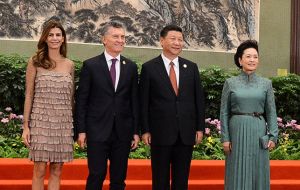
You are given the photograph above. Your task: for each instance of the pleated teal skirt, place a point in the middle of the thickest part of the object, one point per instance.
(248, 166)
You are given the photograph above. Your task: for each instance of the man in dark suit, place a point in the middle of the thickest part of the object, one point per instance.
(107, 110)
(172, 111)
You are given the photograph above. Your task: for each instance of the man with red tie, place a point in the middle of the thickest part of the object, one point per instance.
(107, 110)
(172, 111)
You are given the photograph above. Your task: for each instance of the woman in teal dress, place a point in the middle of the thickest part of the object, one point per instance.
(248, 113)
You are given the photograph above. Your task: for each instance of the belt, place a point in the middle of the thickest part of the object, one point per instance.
(254, 114)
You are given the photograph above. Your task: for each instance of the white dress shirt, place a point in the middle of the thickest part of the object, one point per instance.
(118, 66)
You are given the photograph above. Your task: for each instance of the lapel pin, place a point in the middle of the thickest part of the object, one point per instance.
(184, 65)
(123, 62)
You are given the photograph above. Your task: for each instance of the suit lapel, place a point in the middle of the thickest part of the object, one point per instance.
(182, 73)
(104, 68)
(123, 73)
(161, 69)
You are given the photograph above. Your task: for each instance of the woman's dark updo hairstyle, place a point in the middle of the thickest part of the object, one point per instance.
(240, 50)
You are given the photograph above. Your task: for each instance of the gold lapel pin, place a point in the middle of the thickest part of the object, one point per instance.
(124, 62)
(184, 65)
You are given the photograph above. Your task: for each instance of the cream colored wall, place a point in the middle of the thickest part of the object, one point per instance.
(274, 44)
(275, 35)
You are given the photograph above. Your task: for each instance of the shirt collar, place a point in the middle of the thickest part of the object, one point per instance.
(109, 57)
(167, 61)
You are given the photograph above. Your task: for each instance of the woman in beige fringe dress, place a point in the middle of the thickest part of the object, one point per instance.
(47, 129)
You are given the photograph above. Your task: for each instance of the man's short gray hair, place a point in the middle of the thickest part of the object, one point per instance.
(113, 24)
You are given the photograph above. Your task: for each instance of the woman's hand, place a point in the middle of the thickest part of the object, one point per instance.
(227, 148)
(26, 136)
(271, 145)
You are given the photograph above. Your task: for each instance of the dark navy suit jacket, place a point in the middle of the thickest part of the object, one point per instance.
(99, 106)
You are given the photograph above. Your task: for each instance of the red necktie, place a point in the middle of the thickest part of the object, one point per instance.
(172, 76)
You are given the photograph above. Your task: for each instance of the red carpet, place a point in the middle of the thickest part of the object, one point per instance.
(15, 174)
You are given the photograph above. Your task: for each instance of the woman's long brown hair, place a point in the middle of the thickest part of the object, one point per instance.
(41, 58)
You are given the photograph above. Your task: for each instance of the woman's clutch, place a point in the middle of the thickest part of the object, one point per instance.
(264, 140)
